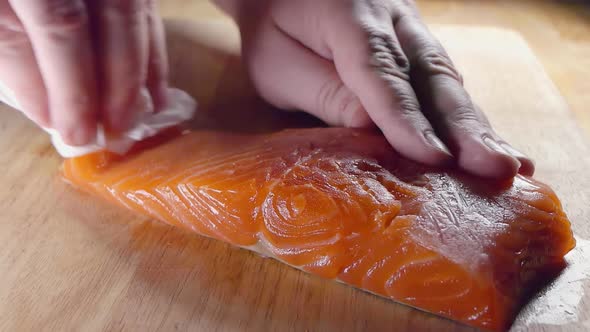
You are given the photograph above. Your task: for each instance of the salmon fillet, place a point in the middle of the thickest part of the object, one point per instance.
(341, 204)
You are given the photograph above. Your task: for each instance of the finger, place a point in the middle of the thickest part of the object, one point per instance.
(291, 76)
(448, 105)
(157, 80)
(59, 34)
(123, 44)
(18, 67)
(373, 65)
(527, 165)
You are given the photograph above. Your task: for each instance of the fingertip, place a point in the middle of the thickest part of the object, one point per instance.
(427, 148)
(435, 142)
(436, 152)
(121, 111)
(502, 163)
(78, 135)
(434, 157)
(486, 158)
(118, 120)
(527, 165)
(498, 166)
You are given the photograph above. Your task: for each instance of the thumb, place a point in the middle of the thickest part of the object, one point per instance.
(292, 77)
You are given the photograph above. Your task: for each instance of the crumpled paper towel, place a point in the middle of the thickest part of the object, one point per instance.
(181, 107)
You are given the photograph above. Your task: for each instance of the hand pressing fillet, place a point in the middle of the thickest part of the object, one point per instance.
(76, 63)
(356, 63)
(73, 64)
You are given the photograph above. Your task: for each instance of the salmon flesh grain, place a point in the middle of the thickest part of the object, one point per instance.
(341, 204)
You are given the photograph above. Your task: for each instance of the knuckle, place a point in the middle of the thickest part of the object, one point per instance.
(464, 114)
(335, 101)
(327, 95)
(411, 4)
(351, 111)
(378, 7)
(61, 15)
(386, 55)
(404, 9)
(408, 104)
(408, 108)
(434, 61)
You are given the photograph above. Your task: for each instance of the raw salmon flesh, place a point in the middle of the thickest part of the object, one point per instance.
(341, 204)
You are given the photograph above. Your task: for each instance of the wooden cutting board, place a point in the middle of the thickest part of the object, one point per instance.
(71, 262)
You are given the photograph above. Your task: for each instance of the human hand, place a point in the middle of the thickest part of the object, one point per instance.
(75, 63)
(358, 62)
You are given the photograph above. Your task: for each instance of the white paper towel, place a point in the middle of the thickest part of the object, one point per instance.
(180, 108)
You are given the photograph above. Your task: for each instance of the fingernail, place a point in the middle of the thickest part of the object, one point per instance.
(436, 142)
(495, 146)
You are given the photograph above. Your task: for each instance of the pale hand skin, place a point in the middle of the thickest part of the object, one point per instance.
(356, 63)
(75, 63)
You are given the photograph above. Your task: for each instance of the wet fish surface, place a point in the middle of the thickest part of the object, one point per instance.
(341, 204)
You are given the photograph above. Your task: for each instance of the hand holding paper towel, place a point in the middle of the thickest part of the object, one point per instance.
(74, 65)
(180, 107)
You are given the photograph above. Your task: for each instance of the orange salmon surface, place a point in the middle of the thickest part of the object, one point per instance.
(341, 204)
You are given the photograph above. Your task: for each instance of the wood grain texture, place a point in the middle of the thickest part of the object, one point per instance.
(70, 262)
(558, 32)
